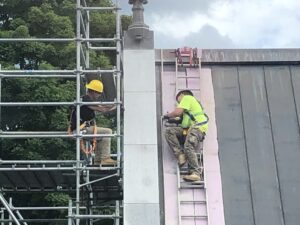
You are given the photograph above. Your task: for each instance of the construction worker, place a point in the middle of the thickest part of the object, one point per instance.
(87, 121)
(193, 127)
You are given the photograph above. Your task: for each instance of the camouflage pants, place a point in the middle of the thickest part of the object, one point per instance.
(194, 136)
(102, 150)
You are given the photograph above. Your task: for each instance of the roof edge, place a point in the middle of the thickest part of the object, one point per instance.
(238, 56)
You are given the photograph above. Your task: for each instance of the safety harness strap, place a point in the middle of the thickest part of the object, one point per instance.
(192, 117)
(82, 126)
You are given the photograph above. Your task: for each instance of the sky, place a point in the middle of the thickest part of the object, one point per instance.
(223, 23)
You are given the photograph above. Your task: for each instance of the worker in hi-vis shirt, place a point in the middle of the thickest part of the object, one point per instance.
(192, 130)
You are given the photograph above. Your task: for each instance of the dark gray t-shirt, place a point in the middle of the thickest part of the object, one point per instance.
(86, 114)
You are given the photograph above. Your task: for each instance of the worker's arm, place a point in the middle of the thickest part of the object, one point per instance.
(102, 108)
(175, 113)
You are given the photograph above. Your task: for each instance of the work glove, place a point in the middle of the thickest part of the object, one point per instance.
(122, 108)
(165, 117)
(175, 120)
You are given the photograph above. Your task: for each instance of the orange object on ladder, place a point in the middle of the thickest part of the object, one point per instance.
(187, 55)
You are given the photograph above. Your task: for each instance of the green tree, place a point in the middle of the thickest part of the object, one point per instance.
(47, 19)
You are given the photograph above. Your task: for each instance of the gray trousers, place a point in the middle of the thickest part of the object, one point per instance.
(102, 150)
(194, 136)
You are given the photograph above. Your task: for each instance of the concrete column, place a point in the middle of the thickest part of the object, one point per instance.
(141, 188)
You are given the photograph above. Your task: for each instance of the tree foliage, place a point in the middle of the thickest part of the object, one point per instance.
(44, 19)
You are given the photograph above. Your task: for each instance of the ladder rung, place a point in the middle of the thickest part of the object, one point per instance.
(191, 202)
(191, 89)
(193, 182)
(185, 186)
(184, 168)
(188, 65)
(185, 171)
(200, 217)
(187, 77)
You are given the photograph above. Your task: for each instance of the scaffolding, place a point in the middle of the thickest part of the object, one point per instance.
(76, 176)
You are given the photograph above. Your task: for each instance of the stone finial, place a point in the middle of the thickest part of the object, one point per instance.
(138, 25)
(143, 1)
(138, 35)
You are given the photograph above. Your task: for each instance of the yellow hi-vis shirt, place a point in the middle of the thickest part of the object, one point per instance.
(190, 104)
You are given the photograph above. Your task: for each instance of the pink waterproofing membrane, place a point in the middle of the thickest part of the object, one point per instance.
(213, 183)
(212, 192)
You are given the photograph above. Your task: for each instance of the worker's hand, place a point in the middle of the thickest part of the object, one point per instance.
(122, 108)
(112, 108)
(175, 120)
(165, 117)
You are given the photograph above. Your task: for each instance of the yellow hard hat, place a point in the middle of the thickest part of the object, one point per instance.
(95, 85)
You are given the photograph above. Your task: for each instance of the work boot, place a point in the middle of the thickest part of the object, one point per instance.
(108, 162)
(181, 159)
(192, 177)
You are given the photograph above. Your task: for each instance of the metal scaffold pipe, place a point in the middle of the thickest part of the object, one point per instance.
(15, 162)
(118, 77)
(97, 180)
(42, 208)
(83, 25)
(58, 39)
(95, 216)
(70, 212)
(58, 169)
(104, 48)
(99, 8)
(0, 96)
(87, 35)
(33, 220)
(36, 103)
(7, 206)
(78, 68)
(17, 136)
(56, 103)
(25, 72)
(37, 76)
(2, 216)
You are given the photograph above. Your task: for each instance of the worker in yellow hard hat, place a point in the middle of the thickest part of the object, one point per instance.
(87, 121)
(192, 130)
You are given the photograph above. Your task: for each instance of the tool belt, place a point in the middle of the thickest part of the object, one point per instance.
(85, 124)
(185, 131)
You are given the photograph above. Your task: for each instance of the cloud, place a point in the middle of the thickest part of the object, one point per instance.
(209, 37)
(229, 23)
(177, 27)
(269, 23)
(194, 31)
(183, 7)
(206, 37)
(168, 6)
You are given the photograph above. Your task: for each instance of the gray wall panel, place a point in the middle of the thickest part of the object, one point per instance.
(140, 139)
(259, 145)
(286, 139)
(233, 160)
(295, 73)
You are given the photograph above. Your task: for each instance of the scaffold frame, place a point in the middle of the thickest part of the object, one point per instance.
(83, 47)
